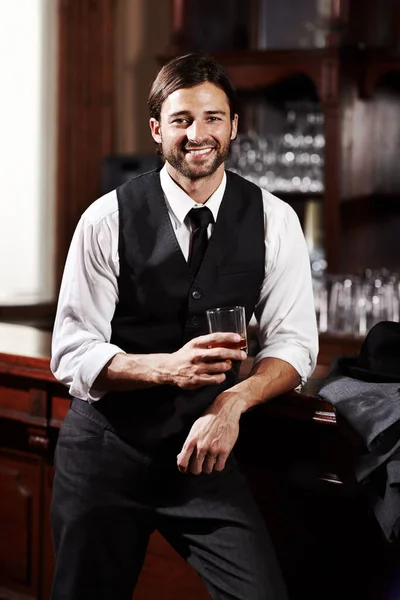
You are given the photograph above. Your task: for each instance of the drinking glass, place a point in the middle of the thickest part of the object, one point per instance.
(229, 319)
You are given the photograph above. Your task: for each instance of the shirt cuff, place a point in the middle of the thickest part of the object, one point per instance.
(92, 363)
(299, 359)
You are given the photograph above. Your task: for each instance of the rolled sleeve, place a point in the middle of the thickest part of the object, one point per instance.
(92, 362)
(285, 313)
(88, 296)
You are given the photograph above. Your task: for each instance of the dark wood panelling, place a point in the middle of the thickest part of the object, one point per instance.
(370, 236)
(20, 491)
(48, 552)
(59, 408)
(85, 110)
(18, 400)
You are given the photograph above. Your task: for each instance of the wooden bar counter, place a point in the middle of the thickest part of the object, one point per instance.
(297, 462)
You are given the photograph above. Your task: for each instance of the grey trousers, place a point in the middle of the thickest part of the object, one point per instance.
(108, 498)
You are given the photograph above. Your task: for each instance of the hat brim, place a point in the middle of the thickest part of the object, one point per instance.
(350, 367)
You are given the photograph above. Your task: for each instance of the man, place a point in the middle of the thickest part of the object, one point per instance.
(147, 443)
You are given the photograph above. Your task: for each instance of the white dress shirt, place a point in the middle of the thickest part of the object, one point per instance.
(89, 291)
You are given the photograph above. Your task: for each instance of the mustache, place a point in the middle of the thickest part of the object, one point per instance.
(200, 145)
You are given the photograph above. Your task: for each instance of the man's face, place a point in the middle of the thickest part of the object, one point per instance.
(195, 130)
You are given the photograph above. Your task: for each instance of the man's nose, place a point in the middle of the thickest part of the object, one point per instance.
(196, 132)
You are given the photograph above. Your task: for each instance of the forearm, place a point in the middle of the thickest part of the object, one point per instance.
(269, 378)
(201, 361)
(126, 372)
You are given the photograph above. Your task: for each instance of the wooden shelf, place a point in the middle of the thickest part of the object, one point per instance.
(373, 199)
(258, 69)
(375, 64)
(298, 197)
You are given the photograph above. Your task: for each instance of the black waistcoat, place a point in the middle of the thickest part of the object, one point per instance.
(161, 307)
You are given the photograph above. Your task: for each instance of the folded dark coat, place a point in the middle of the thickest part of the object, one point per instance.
(372, 409)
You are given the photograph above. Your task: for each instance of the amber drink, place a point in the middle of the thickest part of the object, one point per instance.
(230, 319)
(241, 345)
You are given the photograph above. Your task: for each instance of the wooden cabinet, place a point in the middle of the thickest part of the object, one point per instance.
(355, 79)
(21, 522)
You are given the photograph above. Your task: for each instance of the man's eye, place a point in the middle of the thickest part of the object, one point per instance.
(214, 119)
(180, 121)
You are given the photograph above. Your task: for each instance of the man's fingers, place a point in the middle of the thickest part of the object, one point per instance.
(220, 462)
(200, 463)
(209, 355)
(214, 354)
(182, 463)
(183, 457)
(196, 465)
(209, 463)
(190, 462)
(195, 461)
(203, 380)
(219, 337)
(216, 367)
(206, 379)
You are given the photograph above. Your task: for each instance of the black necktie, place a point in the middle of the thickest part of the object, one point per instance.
(200, 219)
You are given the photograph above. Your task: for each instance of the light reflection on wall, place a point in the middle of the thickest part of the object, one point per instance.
(27, 156)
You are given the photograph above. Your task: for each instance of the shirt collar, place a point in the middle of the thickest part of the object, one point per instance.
(179, 203)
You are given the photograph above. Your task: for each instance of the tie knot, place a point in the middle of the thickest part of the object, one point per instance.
(200, 217)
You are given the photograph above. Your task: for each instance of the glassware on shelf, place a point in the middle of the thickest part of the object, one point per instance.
(352, 304)
(288, 162)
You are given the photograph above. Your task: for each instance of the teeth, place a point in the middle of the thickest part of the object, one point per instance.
(203, 151)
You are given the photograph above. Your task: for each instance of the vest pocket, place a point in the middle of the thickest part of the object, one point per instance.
(237, 269)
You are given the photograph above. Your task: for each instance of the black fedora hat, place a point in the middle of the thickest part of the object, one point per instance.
(379, 357)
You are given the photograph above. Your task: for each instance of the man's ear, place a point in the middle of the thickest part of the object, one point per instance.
(155, 130)
(235, 121)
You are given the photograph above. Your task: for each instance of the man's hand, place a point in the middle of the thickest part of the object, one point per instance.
(214, 434)
(210, 440)
(202, 361)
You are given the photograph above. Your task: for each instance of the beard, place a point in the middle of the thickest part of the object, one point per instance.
(175, 156)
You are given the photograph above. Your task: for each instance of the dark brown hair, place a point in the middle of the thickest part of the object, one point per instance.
(186, 72)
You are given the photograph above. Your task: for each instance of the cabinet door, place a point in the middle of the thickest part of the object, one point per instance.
(48, 551)
(166, 575)
(20, 492)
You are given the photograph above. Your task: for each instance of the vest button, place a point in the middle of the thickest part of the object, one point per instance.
(196, 295)
(194, 321)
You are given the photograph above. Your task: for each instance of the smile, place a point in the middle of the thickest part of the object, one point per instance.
(200, 152)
